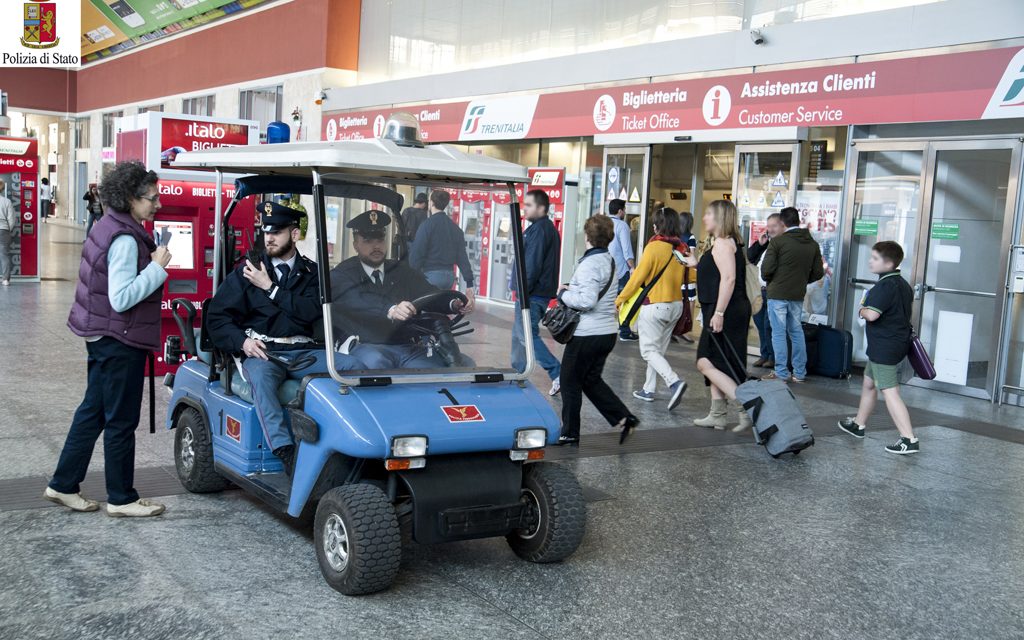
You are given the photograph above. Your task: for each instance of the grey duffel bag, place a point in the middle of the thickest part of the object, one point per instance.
(779, 424)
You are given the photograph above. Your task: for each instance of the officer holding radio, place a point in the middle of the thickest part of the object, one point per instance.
(267, 311)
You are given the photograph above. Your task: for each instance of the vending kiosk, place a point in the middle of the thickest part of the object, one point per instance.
(19, 173)
(185, 221)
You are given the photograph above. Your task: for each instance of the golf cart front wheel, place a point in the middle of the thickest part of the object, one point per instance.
(357, 538)
(555, 498)
(193, 454)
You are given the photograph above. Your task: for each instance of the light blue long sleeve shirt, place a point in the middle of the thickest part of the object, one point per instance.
(126, 286)
(621, 247)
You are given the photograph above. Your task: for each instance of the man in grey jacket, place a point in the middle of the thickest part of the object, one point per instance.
(591, 292)
(8, 223)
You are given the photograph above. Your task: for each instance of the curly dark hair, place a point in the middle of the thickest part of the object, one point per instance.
(127, 180)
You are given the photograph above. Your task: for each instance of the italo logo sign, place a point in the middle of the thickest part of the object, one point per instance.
(499, 118)
(36, 33)
(1007, 100)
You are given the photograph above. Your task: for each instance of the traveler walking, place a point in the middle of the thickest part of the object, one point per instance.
(117, 311)
(8, 223)
(440, 246)
(412, 217)
(886, 310)
(541, 244)
(755, 254)
(659, 270)
(621, 250)
(792, 261)
(44, 199)
(93, 206)
(725, 310)
(689, 276)
(594, 338)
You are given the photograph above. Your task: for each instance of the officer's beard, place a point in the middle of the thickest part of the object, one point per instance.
(279, 250)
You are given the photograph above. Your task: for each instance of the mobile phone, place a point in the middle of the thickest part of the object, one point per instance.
(127, 14)
(163, 236)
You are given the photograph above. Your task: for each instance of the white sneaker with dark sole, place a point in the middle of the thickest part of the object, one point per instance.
(73, 501)
(141, 508)
(556, 387)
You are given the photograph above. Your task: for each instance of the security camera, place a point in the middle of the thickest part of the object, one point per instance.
(319, 97)
(756, 36)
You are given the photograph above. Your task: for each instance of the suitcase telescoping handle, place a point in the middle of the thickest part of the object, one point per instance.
(756, 403)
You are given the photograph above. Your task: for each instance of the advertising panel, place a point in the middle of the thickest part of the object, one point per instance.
(178, 135)
(19, 168)
(970, 85)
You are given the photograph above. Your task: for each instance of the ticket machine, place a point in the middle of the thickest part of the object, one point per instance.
(185, 221)
(19, 172)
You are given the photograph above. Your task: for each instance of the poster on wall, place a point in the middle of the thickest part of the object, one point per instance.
(178, 135)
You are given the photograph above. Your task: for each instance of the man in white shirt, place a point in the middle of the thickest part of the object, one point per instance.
(8, 222)
(44, 199)
(621, 250)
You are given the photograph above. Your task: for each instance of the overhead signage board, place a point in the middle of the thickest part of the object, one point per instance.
(968, 85)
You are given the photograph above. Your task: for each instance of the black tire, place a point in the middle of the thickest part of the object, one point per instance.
(193, 454)
(368, 562)
(556, 496)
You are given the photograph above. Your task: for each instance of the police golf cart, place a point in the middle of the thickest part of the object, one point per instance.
(442, 454)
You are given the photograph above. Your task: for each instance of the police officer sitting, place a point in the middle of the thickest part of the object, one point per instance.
(271, 308)
(371, 298)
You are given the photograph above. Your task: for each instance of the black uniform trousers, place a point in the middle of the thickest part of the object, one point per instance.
(582, 365)
(113, 399)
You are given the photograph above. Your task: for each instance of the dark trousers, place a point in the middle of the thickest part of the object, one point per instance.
(113, 399)
(764, 328)
(582, 365)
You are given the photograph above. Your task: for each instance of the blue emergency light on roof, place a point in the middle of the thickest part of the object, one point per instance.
(403, 129)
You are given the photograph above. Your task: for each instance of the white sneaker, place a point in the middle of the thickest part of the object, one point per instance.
(7, 283)
(141, 508)
(556, 386)
(73, 501)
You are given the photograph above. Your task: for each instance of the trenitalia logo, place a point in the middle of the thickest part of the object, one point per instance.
(499, 118)
(1007, 100)
(473, 119)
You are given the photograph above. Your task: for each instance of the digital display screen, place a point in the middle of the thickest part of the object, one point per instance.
(177, 237)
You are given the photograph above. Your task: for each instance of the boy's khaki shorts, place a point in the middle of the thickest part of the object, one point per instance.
(886, 376)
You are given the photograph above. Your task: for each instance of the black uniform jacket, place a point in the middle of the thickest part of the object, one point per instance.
(239, 305)
(360, 307)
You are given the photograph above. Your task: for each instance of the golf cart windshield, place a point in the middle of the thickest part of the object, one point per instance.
(405, 268)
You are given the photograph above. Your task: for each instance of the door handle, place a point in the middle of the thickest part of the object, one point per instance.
(920, 289)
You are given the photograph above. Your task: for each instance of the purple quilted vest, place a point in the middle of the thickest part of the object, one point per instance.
(91, 314)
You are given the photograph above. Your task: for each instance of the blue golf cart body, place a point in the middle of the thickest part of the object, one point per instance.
(440, 455)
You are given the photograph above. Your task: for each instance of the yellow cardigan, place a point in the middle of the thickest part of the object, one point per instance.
(669, 286)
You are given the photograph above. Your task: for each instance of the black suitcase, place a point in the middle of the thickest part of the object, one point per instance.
(832, 352)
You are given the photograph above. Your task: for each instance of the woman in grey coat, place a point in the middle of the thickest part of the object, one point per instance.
(595, 336)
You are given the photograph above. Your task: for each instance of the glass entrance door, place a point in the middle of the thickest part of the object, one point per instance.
(625, 177)
(951, 206)
(961, 287)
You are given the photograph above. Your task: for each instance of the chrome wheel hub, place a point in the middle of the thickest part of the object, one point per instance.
(188, 450)
(336, 542)
(533, 504)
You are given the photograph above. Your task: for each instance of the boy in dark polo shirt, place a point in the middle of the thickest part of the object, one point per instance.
(886, 309)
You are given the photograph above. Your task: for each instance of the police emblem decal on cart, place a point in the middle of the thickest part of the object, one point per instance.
(463, 413)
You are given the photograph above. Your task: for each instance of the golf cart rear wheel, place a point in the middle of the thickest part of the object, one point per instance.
(357, 538)
(556, 499)
(193, 454)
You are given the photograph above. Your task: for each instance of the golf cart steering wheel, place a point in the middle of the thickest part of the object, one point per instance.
(290, 363)
(440, 302)
(439, 325)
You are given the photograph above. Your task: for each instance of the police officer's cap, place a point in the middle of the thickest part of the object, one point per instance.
(370, 224)
(276, 217)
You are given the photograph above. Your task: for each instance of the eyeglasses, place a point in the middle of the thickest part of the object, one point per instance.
(152, 198)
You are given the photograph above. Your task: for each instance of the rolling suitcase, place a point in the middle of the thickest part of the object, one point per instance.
(833, 353)
(779, 424)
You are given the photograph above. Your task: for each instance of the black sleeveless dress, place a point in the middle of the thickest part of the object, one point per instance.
(737, 315)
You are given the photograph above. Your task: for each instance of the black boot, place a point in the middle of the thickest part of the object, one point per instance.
(287, 456)
(627, 425)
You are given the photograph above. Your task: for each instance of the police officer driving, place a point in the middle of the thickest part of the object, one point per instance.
(268, 311)
(371, 298)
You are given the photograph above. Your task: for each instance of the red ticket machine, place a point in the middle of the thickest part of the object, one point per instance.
(19, 172)
(185, 221)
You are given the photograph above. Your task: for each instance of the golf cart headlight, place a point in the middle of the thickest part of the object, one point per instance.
(531, 438)
(409, 446)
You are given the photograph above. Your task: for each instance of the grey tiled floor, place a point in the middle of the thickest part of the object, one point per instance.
(714, 542)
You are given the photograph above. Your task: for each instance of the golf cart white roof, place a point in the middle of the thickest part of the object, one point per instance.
(373, 159)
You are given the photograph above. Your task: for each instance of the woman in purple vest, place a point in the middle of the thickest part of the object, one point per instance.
(117, 311)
